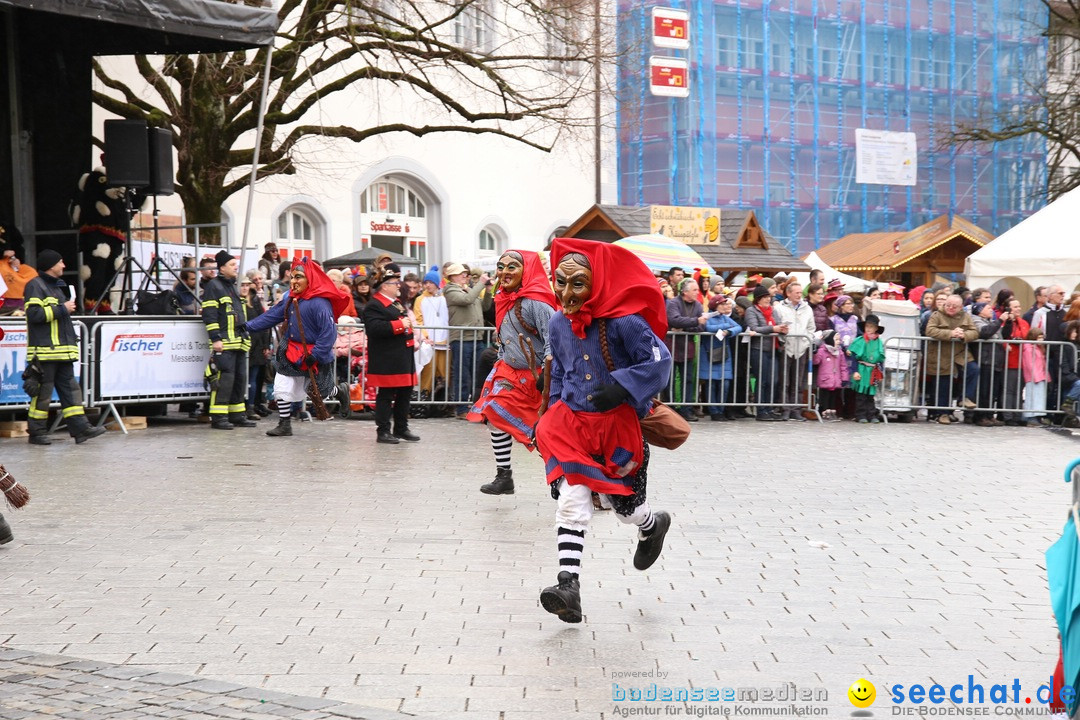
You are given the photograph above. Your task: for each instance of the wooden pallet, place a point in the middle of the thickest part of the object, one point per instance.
(13, 429)
(131, 422)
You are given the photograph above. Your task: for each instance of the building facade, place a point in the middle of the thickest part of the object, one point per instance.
(778, 89)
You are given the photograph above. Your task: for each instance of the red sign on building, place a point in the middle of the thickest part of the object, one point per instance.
(671, 28)
(669, 77)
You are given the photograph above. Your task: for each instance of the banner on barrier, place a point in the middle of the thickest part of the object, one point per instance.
(13, 362)
(151, 358)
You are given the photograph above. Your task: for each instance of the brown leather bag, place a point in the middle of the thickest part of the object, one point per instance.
(662, 427)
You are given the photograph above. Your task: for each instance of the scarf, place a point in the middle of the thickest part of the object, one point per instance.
(621, 285)
(319, 285)
(534, 285)
(767, 312)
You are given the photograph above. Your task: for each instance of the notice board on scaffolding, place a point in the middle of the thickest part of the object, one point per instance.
(883, 157)
(154, 358)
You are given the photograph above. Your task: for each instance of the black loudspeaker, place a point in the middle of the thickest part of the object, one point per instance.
(126, 157)
(161, 166)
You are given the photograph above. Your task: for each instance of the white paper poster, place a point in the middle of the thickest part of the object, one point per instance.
(885, 158)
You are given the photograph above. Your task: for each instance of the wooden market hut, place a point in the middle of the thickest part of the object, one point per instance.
(742, 244)
(910, 258)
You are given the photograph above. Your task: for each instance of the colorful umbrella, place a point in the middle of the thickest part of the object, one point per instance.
(660, 253)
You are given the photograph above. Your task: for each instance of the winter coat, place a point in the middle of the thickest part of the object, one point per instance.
(1033, 362)
(715, 355)
(765, 340)
(1015, 329)
(465, 308)
(943, 358)
(50, 333)
(1068, 368)
(846, 330)
(801, 330)
(260, 339)
(990, 354)
(821, 317)
(832, 370)
(682, 316)
(868, 354)
(391, 361)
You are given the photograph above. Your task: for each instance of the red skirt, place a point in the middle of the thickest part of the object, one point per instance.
(602, 451)
(509, 401)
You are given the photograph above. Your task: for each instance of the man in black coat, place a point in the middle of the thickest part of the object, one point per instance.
(391, 366)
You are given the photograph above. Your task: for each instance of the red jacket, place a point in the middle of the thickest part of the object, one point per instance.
(1020, 329)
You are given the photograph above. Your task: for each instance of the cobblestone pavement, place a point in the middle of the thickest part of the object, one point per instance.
(326, 567)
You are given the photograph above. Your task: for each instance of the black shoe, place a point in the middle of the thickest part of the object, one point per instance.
(240, 420)
(386, 438)
(88, 434)
(563, 599)
(649, 547)
(221, 423)
(6, 535)
(407, 436)
(40, 440)
(283, 429)
(262, 410)
(503, 484)
(250, 414)
(718, 417)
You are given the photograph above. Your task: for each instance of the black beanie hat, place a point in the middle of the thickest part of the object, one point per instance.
(47, 259)
(760, 292)
(223, 257)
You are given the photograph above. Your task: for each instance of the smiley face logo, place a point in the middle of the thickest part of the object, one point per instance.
(862, 693)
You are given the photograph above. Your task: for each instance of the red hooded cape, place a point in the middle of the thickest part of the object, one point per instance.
(319, 285)
(534, 285)
(622, 285)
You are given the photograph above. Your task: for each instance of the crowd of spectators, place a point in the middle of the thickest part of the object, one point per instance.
(771, 348)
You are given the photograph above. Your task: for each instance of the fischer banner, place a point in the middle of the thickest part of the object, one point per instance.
(151, 358)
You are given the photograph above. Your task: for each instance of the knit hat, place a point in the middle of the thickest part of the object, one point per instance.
(836, 284)
(223, 257)
(766, 283)
(433, 275)
(47, 259)
(829, 337)
(840, 302)
(761, 291)
(743, 302)
(978, 308)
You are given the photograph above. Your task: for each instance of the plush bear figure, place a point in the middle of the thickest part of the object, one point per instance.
(98, 211)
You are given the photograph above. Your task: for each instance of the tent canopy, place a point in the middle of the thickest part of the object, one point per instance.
(851, 283)
(158, 26)
(1041, 250)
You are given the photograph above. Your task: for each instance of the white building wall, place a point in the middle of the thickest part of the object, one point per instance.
(468, 181)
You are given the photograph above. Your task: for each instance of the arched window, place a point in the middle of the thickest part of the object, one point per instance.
(394, 218)
(296, 233)
(491, 240)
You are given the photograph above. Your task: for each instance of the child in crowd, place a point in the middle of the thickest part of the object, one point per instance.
(869, 352)
(716, 353)
(831, 375)
(1033, 362)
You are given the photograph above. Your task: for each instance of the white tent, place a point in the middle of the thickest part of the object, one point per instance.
(1044, 249)
(851, 283)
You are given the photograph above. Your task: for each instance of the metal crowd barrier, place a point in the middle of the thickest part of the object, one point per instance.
(755, 372)
(986, 386)
(14, 362)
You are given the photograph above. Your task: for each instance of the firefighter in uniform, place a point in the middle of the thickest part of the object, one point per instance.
(223, 313)
(51, 340)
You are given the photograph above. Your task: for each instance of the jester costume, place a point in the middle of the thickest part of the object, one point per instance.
(609, 362)
(510, 399)
(307, 341)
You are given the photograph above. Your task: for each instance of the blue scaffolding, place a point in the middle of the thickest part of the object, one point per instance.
(779, 88)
